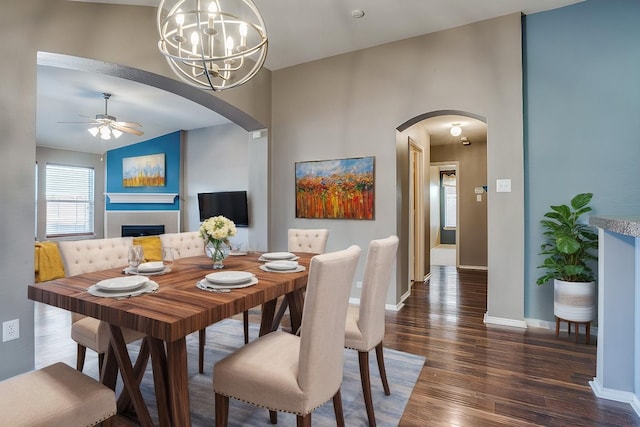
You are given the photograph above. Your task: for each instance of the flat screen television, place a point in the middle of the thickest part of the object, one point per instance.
(231, 204)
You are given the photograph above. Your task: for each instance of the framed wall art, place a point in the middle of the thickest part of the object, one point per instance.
(143, 171)
(335, 189)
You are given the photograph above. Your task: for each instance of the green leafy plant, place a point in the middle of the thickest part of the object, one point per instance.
(570, 245)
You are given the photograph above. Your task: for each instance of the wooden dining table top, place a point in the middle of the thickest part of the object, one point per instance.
(178, 307)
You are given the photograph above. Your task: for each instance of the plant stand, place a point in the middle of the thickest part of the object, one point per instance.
(569, 322)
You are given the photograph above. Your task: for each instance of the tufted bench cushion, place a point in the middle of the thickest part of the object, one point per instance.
(189, 243)
(56, 395)
(87, 256)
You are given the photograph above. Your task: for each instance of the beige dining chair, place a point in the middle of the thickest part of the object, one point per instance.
(289, 373)
(302, 240)
(364, 328)
(86, 256)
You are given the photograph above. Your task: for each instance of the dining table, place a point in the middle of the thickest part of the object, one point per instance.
(167, 316)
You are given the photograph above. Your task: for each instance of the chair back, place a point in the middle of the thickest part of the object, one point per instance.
(323, 322)
(187, 244)
(381, 257)
(308, 240)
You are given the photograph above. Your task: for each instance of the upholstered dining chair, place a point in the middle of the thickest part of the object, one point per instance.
(364, 328)
(302, 240)
(290, 373)
(85, 256)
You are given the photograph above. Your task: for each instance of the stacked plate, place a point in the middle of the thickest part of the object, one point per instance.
(148, 269)
(228, 280)
(278, 256)
(123, 287)
(282, 266)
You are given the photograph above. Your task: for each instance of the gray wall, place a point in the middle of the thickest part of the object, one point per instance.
(337, 108)
(472, 230)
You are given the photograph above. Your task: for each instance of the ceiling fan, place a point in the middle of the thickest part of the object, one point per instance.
(107, 126)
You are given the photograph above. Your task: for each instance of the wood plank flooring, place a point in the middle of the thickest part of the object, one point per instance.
(474, 375)
(478, 375)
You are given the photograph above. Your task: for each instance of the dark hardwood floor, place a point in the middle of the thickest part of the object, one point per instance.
(474, 375)
(479, 375)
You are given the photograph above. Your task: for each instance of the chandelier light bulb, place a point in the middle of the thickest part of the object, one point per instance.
(93, 131)
(116, 133)
(456, 129)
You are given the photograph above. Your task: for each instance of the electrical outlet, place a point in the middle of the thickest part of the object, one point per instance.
(359, 284)
(10, 330)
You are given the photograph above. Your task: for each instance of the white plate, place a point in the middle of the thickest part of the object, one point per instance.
(229, 277)
(146, 288)
(126, 283)
(151, 267)
(237, 253)
(205, 285)
(278, 255)
(282, 265)
(133, 271)
(298, 269)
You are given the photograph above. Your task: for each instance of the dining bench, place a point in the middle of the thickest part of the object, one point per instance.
(56, 395)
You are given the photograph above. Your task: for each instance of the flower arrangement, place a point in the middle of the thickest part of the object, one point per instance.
(215, 232)
(217, 228)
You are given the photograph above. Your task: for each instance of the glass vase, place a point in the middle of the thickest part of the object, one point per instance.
(217, 250)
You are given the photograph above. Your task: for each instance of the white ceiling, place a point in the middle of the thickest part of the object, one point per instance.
(299, 31)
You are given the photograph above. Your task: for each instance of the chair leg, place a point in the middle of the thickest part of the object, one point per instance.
(303, 420)
(100, 361)
(363, 360)
(383, 372)
(273, 417)
(245, 323)
(279, 315)
(202, 338)
(337, 408)
(82, 351)
(222, 410)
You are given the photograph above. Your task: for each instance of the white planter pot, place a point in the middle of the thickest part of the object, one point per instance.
(574, 301)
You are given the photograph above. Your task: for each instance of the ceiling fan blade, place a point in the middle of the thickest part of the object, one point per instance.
(128, 130)
(128, 124)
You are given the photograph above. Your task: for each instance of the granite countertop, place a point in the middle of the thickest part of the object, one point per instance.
(627, 225)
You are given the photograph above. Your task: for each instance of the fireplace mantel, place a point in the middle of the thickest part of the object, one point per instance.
(141, 197)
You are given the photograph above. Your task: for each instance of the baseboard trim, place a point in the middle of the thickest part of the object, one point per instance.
(491, 320)
(390, 307)
(616, 395)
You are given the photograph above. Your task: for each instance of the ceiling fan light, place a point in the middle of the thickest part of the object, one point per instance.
(93, 131)
(116, 133)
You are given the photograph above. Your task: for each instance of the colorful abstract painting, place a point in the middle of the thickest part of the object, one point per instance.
(336, 189)
(143, 171)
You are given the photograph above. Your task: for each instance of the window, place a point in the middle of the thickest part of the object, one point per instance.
(449, 195)
(70, 200)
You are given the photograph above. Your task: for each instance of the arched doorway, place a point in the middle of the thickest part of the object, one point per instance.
(428, 131)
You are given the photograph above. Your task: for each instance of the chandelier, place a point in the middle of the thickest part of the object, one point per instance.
(216, 44)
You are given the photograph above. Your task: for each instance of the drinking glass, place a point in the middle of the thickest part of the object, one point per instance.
(136, 256)
(167, 257)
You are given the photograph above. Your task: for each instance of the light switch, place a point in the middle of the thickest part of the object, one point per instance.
(503, 185)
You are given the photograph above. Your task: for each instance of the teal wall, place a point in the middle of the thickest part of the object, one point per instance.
(582, 110)
(169, 145)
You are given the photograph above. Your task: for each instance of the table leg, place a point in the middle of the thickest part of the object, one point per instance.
(296, 302)
(128, 377)
(178, 381)
(268, 311)
(160, 383)
(124, 401)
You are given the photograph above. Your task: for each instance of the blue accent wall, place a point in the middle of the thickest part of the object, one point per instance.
(582, 109)
(169, 145)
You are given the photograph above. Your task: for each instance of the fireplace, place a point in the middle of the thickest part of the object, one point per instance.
(142, 230)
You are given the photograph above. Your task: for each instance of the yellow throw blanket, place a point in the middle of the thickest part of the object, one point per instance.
(48, 263)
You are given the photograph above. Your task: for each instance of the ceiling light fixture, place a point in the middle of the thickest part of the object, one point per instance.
(106, 126)
(217, 44)
(456, 129)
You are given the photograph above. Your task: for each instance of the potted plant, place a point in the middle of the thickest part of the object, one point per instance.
(570, 248)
